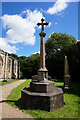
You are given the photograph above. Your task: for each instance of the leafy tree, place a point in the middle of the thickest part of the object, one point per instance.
(57, 46)
(14, 55)
(74, 61)
(22, 58)
(30, 66)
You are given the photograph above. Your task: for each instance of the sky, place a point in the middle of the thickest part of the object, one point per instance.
(20, 33)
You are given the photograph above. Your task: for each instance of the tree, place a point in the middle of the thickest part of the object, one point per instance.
(57, 46)
(74, 61)
(14, 55)
(30, 66)
(22, 58)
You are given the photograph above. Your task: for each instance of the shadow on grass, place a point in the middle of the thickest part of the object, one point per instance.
(75, 89)
(17, 103)
(72, 91)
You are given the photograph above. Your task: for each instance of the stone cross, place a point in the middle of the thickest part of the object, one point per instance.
(42, 72)
(42, 24)
(42, 46)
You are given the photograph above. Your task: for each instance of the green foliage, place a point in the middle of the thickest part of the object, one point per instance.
(58, 42)
(30, 65)
(22, 58)
(13, 55)
(57, 46)
(18, 90)
(70, 109)
(73, 54)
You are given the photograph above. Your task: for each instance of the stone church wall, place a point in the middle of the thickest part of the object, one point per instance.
(9, 67)
(2, 61)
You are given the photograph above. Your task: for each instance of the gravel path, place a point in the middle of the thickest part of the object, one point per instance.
(6, 110)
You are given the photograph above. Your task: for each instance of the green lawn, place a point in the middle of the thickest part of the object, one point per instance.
(71, 99)
(4, 83)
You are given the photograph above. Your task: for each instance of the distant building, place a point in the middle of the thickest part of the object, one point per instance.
(9, 66)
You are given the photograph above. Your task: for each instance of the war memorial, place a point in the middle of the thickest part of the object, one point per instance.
(42, 93)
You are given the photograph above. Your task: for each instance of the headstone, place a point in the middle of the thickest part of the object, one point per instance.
(43, 94)
(66, 74)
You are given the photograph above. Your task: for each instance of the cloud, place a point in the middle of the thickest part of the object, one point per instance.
(50, 23)
(19, 29)
(36, 52)
(55, 23)
(4, 45)
(58, 7)
(78, 40)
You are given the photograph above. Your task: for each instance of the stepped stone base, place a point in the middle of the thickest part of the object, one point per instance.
(42, 95)
(42, 87)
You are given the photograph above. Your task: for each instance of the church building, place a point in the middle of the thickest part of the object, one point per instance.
(9, 66)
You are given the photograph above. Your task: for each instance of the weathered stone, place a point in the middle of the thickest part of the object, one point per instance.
(42, 87)
(9, 66)
(42, 74)
(42, 94)
(43, 101)
(67, 77)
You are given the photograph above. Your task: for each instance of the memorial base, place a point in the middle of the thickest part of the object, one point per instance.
(43, 96)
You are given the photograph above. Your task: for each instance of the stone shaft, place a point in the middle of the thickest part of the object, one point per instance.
(42, 53)
(42, 72)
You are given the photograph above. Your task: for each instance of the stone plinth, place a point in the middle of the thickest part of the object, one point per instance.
(42, 74)
(67, 81)
(43, 101)
(42, 87)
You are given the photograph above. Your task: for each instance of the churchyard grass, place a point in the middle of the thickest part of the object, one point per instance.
(71, 99)
(4, 83)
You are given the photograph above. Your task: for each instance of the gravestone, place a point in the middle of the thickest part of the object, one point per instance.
(67, 77)
(42, 93)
